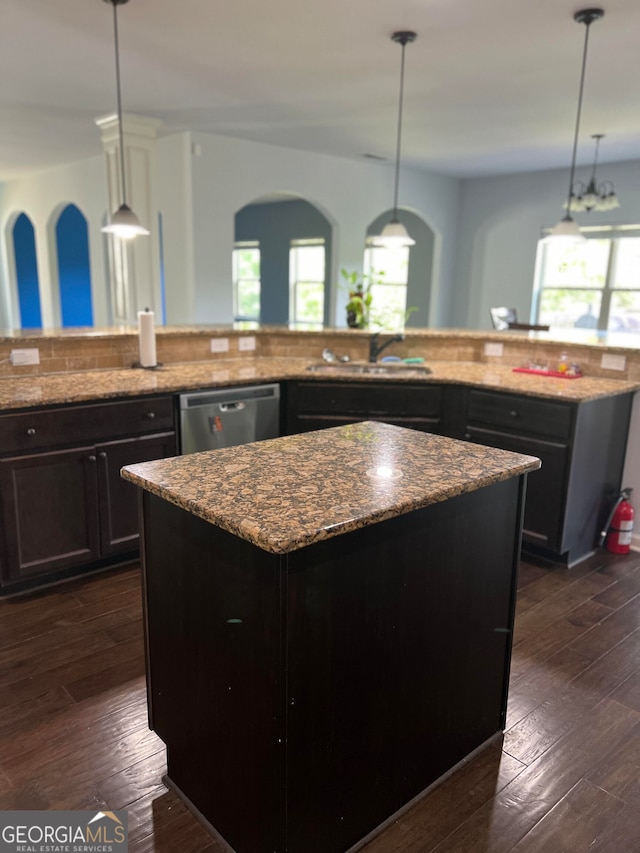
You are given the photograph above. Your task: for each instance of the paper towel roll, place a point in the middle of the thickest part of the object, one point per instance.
(147, 338)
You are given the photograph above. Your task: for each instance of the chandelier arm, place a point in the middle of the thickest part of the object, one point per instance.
(578, 115)
(119, 101)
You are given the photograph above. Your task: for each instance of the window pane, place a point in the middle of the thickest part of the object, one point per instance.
(248, 263)
(388, 306)
(309, 302)
(627, 265)
(310, 263)
(624, 313)
(246, 282)
(581, 265)
(248, 299)
(393, 263)
(568, 308)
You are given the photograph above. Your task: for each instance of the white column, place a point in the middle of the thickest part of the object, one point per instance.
(134, 264)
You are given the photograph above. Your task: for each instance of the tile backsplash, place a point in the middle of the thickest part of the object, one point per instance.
(108, 349)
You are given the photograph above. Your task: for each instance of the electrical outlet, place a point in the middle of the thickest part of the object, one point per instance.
(613, 362)
(493, 349)
(246, 343)
(25, 356)
(219, 344)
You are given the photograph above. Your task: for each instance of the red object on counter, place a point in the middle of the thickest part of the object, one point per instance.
(621, 527)
(539, 372)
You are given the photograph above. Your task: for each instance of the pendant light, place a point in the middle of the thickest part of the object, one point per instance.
(600, 197)
(123, 222)
(394, 234)
(567, 228)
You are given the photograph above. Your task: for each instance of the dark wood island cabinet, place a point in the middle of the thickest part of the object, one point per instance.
(328, 624)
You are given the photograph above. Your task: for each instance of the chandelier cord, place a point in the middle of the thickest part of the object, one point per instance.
(119, 101)
(577, 130)
(399, 136)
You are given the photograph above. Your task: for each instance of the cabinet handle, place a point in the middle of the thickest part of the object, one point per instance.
(513, 413)
(31, 431)
(102, 454)
(151, 415)
(92, 458)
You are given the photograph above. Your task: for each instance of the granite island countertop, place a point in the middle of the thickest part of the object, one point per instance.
(82, 386)
(286, 493)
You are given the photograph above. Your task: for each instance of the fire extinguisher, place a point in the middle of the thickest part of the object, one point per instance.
(619, 525)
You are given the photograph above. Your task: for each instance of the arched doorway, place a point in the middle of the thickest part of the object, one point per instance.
(74, 271)
(26, 271)
(282, 262)
(410, 270)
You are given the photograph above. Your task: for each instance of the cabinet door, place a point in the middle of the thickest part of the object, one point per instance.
(118, 498)
(546, 487)
(50, 511)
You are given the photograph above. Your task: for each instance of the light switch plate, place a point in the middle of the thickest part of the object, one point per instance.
(493, 348)
(25, 356)
(246, 343)
(613, 362)
(219, 344)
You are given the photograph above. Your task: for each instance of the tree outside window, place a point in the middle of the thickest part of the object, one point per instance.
(307, 283)
(246, 282)
(595, 284)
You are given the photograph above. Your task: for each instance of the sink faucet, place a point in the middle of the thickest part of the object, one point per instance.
(375, 350)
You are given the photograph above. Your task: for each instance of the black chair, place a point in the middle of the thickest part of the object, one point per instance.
(507, 318)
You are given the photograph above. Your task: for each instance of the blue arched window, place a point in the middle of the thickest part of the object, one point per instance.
(74, 275)
(24, 246)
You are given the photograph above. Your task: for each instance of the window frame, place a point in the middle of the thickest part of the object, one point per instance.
(613, 234)
(238, 246)
(295, 281)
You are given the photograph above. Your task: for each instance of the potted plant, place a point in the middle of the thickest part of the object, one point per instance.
(360, 297)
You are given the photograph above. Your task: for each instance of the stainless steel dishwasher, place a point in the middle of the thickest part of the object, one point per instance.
(228, 416)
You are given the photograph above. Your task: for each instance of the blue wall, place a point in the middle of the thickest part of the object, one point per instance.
(74, 275)
(24, 244)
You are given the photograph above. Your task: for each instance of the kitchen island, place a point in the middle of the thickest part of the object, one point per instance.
(328, 624)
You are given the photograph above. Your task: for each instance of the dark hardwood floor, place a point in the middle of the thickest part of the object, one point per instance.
(73, 727)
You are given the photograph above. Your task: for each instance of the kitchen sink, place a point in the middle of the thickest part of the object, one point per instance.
(365, 368)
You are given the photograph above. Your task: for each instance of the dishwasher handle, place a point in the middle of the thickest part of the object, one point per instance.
(232, 407)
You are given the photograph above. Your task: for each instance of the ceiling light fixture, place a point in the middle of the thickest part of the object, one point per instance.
(123, 222)
(394, 234)
(567, 228)
(594, 196)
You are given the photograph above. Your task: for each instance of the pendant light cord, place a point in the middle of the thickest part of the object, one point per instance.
(119, 100)
(577, 131)
(399, 136)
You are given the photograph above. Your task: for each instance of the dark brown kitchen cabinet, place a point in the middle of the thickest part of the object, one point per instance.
(582, 448)
(316, 405)
(50, 511)
(63, 506)
(118, 500)
(581, 444)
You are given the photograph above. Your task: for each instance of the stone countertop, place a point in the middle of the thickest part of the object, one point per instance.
(286, 493)
(83, 386)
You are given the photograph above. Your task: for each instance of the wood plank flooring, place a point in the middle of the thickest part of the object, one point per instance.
(566, 778)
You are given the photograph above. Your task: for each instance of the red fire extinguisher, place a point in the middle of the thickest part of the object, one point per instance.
(619, 525)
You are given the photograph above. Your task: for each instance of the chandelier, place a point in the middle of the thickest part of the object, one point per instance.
(600, 197)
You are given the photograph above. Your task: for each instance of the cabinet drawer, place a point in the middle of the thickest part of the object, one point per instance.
(57, 427)
(521, 414)
(369, 399)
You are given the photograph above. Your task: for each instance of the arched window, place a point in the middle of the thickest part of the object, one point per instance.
(24, 247)
(74, 275)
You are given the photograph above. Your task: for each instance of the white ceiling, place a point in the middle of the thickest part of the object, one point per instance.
(491, 87)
